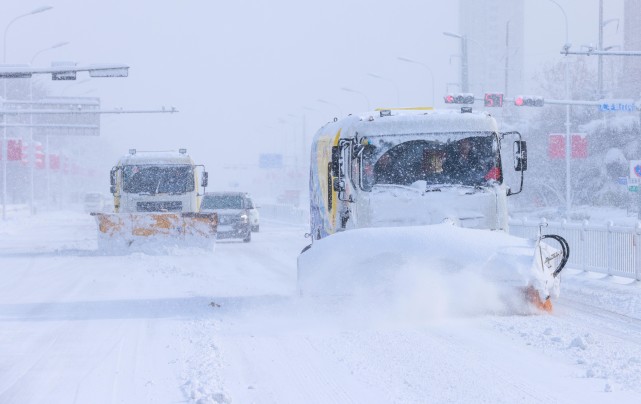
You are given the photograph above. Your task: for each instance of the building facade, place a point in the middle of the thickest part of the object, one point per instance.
(631, 74)
(493, 30)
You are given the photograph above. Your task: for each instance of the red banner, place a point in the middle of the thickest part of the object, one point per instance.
(14, 150)
(579, 146)
(556, 146)
(578, 150)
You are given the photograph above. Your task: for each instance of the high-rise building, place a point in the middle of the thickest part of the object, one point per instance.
(631, 75)
(493, 31)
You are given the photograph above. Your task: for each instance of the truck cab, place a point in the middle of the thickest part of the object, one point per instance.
(410, 167)
(156, 182)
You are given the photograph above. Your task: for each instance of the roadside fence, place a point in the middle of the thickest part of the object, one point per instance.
(605, 248)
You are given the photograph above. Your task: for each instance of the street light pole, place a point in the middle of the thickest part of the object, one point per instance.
(376, 76)
(4, 96)
(464, 62)
(340, 112)
(54, 46)
(600, 63)
(349, 90)
(34, 11)
(306, 145)
(568, 141)
(33, 149)
(602, 25)
(403, 59)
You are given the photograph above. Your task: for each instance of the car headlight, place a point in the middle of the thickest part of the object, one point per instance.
(243, 218)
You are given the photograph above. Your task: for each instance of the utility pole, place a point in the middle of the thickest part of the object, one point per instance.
(566, 51)
(600, 60)
(507, 54)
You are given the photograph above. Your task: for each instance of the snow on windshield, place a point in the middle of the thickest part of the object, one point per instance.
(436, 159)
(154, 179)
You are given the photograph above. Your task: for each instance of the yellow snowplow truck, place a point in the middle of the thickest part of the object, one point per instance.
(156, 201)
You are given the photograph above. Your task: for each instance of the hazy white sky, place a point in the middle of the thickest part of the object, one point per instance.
(243, 73)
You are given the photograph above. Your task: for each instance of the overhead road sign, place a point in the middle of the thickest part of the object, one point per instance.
(618, 106)
(95, 70)
(590, 51)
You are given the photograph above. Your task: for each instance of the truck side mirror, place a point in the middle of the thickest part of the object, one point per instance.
(205, 179)
(336, 154)
(520, 155)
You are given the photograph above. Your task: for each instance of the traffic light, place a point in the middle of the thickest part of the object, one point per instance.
(39, 155)
(528, 101)
(459, 98)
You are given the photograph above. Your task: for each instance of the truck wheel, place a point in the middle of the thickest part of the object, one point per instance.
(248, 238)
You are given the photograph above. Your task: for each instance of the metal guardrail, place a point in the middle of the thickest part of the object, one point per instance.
(604, 248)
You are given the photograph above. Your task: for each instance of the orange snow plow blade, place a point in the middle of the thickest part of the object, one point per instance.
(171, 225)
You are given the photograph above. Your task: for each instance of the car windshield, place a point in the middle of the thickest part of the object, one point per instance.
(436, 159)
(158, 179)
(222, 202)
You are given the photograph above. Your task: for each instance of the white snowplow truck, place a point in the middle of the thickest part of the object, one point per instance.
(414, 167)
(156, 201)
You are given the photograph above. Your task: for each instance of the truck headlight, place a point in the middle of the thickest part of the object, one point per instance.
(243, 218)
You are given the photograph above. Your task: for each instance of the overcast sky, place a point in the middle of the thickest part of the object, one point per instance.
(244, 73)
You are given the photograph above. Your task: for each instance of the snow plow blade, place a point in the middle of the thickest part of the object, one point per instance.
(127, 228)
(434, 268)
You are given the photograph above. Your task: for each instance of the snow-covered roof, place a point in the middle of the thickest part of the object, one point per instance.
(156, 157)
(414, 121)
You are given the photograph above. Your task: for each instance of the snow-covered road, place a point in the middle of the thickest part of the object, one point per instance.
(193, 326)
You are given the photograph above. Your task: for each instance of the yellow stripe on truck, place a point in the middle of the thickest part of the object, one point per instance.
(323, 159)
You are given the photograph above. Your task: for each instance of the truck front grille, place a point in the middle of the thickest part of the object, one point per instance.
(168, 206)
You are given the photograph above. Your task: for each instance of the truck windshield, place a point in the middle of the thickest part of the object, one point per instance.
(222, 202)
(158, 179)
(456, 159)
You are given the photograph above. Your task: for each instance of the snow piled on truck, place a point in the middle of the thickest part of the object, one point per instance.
(423, 271)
